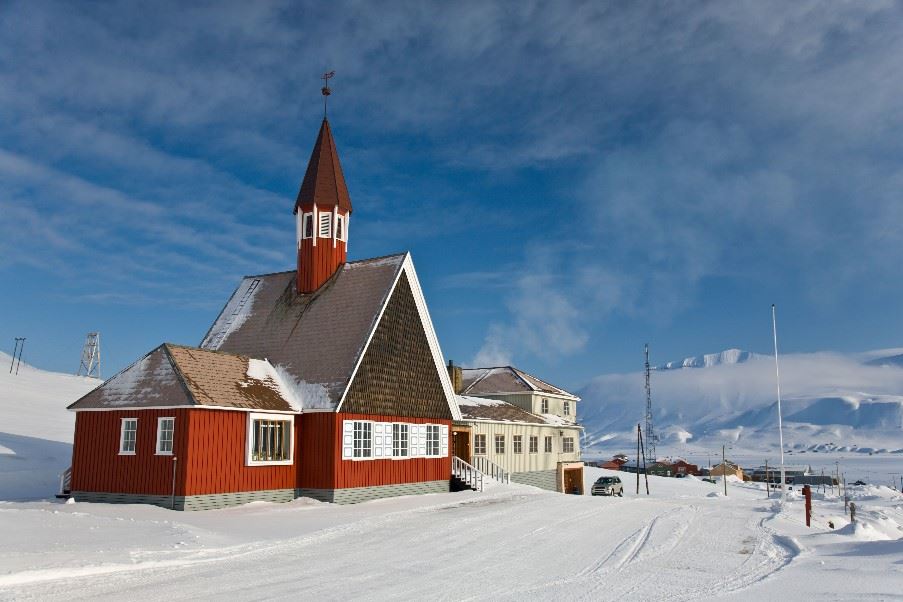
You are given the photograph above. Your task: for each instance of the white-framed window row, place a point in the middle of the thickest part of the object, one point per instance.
(166, 428)
(372, 440)
(271, 439)
(128, 436)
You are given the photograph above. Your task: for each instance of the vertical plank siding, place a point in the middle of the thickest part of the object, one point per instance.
(316, 264)
(321, 466)
(98, 466)
(216, 460)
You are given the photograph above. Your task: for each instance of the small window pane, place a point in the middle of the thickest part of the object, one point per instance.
(534, 444)
(399, 440)
(363, 440)
(308, 225)
(165, 426)
(129, 435)
(479, 445)
(500, 444)
(271, 441)
(548, 445)
(518, 444)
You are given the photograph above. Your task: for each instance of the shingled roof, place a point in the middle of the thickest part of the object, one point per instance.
(173, 375)
(324, 183)
(506, 379)
(316, 337)
(495, 410)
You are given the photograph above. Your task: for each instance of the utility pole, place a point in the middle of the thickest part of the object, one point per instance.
(650, 433)
(724, 470)
(19, 347)
(638, 435)
(767, 484)
(777, 372)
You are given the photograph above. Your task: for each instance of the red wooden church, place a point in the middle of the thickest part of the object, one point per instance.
(326, 381)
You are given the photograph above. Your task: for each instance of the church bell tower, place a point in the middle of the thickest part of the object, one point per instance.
(322, 214)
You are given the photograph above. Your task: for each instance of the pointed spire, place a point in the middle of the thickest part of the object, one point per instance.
(323, 182)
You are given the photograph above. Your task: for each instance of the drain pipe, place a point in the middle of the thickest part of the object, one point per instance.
(172, 499)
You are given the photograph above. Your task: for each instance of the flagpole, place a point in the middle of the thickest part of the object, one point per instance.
(777, 372)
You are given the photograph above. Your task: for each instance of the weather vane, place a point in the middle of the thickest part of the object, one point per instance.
(325, 90)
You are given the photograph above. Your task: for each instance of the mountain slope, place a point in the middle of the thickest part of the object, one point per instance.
(830, 401)
(35, 428)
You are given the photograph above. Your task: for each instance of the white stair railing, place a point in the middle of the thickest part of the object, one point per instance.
(66, 481)
(491, 469)
(467, 474)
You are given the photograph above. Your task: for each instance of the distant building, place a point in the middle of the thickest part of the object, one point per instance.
(681, 467)
(727, 468)
(521, 424)
(773, 474)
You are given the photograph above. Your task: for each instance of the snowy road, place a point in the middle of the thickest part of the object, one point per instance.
(508, 543)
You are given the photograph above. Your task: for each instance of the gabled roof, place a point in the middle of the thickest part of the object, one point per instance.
(324, 183)
(496, 410)
(319, 339)
(506, 379)
(173, 375)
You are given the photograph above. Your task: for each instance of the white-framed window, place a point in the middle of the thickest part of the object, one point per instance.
(500, 444)
(518, 444)
(548, 444)
(567, 445)
(399, 440)
(368, 440)
(340, 227)
(307, 225)
(128, 436)
(271, 439)
(479, 445)
(363, 439)
(432, 439)
(567, 408)
(325, 230)
(165, 430)
(544, 406)
(534, 444)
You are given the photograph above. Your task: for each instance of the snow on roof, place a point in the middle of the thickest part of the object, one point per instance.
(506, 379)
(496, 410)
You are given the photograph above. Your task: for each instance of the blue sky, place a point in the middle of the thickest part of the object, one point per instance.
(573, 180)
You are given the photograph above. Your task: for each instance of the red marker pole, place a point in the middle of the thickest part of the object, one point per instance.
(807, 492)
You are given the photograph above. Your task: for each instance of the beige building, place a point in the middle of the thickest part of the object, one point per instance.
(517, 423)
(727, 468)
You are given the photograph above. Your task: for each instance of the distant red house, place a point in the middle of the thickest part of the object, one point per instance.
(325, 381)
(682, 467)
(613, 464)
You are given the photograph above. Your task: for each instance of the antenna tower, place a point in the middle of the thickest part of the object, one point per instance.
(650, 433)
(90, 364)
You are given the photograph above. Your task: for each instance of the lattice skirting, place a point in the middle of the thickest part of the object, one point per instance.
(544, 479)
(351, 495)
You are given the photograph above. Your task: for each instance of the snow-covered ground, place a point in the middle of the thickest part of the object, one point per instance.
(35, 428)
(684, 541)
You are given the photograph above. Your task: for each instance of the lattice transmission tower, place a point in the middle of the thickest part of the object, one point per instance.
(90, 364)
(650, 432)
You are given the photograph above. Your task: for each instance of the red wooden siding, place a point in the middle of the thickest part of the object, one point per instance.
(217, 449)
(316, 264)
(97, 465)
(321, 466)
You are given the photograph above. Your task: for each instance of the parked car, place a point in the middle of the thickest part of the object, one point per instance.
(608, 486)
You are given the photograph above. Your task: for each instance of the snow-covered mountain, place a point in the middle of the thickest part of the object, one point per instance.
(35, 428)
(728, 356)
(830, 401)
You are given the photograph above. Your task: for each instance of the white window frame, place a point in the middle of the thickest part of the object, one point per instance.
(544, 406)
(517, 444)
(548, 445)
(366, 452)
(324, 225)
(567, 408)
(401, 440)
(340, 223)
(534, 444)
(172, 436)
(477, 439)
(122, 431)
(433, 440)
(497, 440)
(249, 452)
(565, 443)
(305, 219)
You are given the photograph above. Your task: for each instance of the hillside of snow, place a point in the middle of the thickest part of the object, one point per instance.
(35, 428)
(831, 402)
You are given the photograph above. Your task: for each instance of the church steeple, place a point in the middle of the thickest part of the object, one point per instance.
(322, 212)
